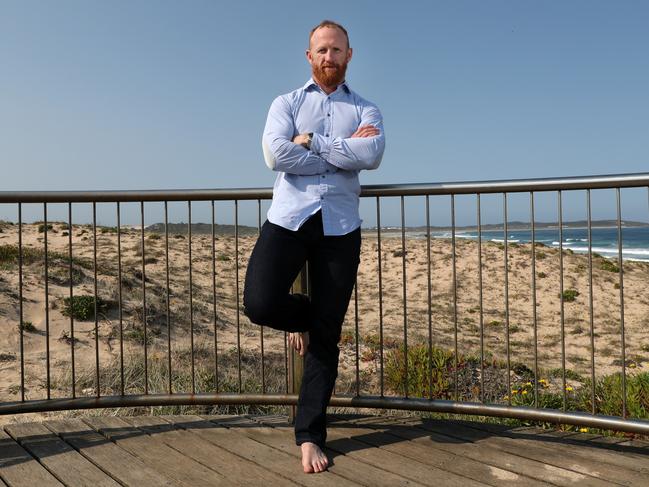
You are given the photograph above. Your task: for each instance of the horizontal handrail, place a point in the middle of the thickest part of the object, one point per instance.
(412, 189)
(366, 401)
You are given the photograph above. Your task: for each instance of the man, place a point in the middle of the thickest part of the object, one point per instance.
(317, 138)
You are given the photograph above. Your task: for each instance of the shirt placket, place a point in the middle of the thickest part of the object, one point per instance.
(324, 178)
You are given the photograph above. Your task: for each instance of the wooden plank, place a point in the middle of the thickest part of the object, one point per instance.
(63, 461)
(610, 443)
(282, 438)
(245, 472)
(156, 454)
(123, 466)
(563, 456)
(395, 463)
(438, 458)
(274, 460)
(527, 469)
(596, 453)
(18, 468)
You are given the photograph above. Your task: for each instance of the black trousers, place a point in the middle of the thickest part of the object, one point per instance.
(276, 260)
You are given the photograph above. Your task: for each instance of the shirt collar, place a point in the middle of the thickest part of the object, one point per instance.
(312, 84)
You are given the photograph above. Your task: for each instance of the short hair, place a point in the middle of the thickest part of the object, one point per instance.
(329, 23)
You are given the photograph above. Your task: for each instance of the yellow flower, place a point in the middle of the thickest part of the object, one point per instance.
(506, 398)
(632, 365)
(528, 384)
(583, 430)
(524, 392)
(568, 388)
(514, 391)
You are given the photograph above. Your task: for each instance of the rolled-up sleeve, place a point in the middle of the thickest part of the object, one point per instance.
(280, 153)
(355, 153)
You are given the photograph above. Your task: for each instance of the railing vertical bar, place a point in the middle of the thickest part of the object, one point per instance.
(286, 361)
(507, 344)
(590, 302)
(191, 293)
(358, 381)
(261, 331)
(430, 297)
(71, 296)
(378, 251)
(144, 314)
(47, 304)
(168, 299)
(216, 343)
(453, 257)
(405, 305)
(20, 302)
(236, 279)
(561, 301)
(94, 269)
(534, 314)
(119, 299)
(621, 285)
(480, 296)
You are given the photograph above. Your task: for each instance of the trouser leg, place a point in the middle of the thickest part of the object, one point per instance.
(333, 264)
(276, 260)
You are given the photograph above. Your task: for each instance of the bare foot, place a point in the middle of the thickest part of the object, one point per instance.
(313, 458)
(299, 341)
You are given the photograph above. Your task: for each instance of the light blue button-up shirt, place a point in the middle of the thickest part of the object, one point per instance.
(326, 176)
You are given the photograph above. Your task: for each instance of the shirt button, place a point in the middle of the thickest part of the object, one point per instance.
(328, 114)
(326, 135)
(321, 197)
(323, 177)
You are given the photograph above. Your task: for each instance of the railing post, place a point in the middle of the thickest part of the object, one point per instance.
(295, 360)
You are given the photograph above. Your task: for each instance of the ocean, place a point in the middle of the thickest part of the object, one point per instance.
(635, 240)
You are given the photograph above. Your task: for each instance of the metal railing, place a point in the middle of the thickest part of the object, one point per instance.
(256, 389)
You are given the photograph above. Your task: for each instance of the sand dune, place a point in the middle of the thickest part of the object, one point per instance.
(445, 318)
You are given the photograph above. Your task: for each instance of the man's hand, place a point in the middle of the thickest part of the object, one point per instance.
(301, 139)
(366, 131)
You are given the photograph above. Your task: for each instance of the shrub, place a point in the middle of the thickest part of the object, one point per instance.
(570, 295)
(41, 228)
(418, 371)
(608, 395)
(9, 254)
(28, 326)
(609, 266)
(83, 307)
(542, 275)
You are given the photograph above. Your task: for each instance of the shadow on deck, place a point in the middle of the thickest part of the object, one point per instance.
(365, 450)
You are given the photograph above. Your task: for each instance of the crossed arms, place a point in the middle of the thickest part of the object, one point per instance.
(288, 153)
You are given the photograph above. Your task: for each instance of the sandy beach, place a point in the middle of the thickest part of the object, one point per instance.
(445, 319)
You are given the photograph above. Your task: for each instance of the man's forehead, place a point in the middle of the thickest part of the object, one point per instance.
(328, 34)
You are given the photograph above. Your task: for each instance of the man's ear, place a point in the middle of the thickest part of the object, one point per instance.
(308, 56)
(350, 51)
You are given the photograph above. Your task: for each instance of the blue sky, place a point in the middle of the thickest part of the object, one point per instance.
(170, 95)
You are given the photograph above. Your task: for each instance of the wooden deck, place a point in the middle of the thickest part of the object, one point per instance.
(366, 450)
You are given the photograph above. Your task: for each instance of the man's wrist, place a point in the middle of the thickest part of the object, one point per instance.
(309, 139)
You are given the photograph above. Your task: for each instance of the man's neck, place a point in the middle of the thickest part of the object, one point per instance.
(327, 89)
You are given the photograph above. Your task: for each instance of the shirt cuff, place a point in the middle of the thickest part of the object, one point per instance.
(320, 145)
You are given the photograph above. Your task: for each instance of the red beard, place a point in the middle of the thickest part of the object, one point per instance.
(330, 77)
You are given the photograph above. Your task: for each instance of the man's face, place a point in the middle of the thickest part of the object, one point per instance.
(328, 55)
